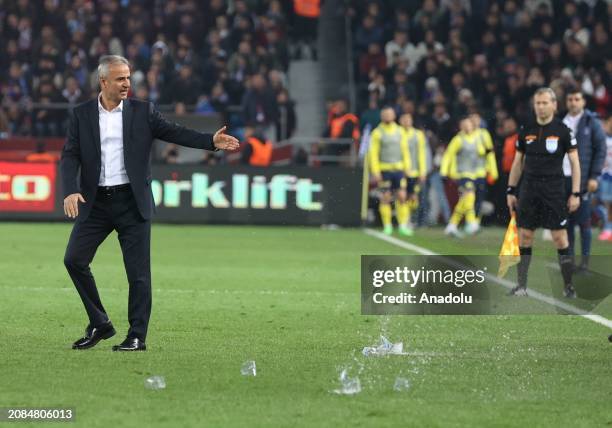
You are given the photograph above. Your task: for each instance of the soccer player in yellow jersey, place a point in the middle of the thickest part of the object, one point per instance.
(490, 173)
(417, 174)
(390, 162)
(465, 161)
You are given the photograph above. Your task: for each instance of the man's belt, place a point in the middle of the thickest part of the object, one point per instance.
(111, 190)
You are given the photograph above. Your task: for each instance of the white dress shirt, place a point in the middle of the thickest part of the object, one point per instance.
(572, 123)
(112, 170)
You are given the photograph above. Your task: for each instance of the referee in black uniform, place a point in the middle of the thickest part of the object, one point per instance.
(542, 199)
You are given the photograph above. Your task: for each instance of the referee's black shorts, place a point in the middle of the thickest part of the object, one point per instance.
(542, 203)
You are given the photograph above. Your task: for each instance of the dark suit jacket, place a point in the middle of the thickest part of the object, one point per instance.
(141, 124)
(591, 139)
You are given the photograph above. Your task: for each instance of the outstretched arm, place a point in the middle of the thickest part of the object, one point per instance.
(178, 134)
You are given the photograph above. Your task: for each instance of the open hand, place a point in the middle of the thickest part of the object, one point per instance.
(223, 141)
(71, 204)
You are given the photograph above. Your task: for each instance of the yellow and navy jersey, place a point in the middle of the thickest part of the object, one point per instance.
(464, 157)
(490, 161)
(417, 147)
(389, 149)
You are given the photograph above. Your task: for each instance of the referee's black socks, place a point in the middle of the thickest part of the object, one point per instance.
(566, 264)
(523, 266)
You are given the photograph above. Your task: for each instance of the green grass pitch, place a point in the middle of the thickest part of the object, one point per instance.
(289, 299)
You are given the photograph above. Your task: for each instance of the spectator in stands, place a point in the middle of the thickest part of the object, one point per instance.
(26, 35)
(105, 43)
(45, 120)
(400, 87)
(154, 84)
(20, 122)
(216, 103)
(259, 105)
(306, 15)
(276, 51)
(441, 123)
(367, 34)
(276, 81)
(76, 68)
(17, 86)
(72, 93)
(486, 54)
(286, 122)
(186, 86)
(63, 39)
(373, 59)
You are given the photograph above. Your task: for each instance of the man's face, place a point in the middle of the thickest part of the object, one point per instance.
(406, 120)
(116, 84)
(544, 105)
(509, 126)
(467, 126)
(575, 103)
(387, 115)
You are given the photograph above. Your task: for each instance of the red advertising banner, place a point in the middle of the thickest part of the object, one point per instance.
(27, 187)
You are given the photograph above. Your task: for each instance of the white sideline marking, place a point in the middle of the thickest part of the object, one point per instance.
(503, 282)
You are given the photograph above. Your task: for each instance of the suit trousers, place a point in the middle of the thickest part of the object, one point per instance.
(113, 209)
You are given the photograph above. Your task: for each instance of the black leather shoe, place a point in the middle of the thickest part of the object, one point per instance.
(131, 344)
(93, 335)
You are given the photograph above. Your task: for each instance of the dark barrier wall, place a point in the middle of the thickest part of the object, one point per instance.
(197, 194)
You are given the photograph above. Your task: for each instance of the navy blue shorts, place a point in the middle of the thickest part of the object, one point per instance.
(466, 185)
(393, 180)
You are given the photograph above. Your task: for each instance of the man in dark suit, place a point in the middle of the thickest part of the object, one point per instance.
(109, 141)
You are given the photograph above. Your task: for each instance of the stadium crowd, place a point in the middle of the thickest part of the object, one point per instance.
(434, 61)
(441, 59)
(206, 56)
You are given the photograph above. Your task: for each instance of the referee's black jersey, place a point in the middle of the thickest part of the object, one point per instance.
(544, 147)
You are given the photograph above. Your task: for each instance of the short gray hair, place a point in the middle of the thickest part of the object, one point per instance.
(106, 61)
(546, 90)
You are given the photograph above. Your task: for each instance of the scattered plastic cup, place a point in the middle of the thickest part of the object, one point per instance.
(348, 385)
(248, 369)
(401, 384)
(155, 382)
(385, 347)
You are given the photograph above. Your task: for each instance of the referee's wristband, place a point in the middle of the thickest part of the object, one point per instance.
(511, 190)
(576, 194)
